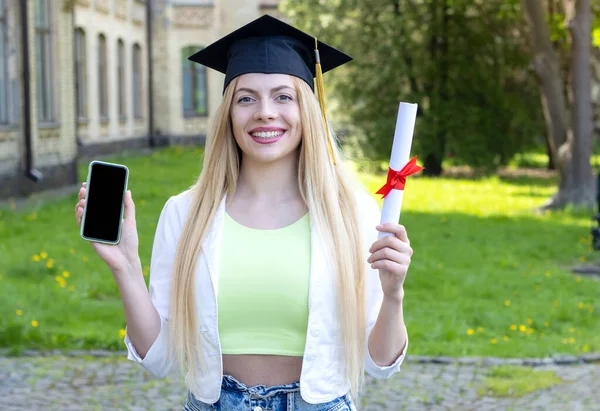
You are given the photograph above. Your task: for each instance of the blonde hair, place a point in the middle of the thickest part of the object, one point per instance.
(329, 193)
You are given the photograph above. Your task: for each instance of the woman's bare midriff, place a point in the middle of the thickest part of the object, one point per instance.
(268, 370)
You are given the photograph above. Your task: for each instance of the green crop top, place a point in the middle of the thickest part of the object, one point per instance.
(263, 289)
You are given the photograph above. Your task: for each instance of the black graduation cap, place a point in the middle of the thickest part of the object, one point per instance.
(268, 45)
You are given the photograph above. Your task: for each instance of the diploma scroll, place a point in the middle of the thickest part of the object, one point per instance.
(400, 167)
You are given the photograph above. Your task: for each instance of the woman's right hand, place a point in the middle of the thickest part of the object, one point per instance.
(122, 257)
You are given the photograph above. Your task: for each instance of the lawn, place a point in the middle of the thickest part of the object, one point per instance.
(513, 381)
(539, 159)
(489, 277)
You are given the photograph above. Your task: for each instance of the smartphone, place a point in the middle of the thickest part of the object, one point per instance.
(104, 202)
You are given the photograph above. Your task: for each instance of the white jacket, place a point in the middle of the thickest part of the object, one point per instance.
(322, 377)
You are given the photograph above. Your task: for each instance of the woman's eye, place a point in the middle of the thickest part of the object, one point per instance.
(284, 97)
(244, 100)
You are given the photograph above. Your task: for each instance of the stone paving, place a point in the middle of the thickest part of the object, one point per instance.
(113, 383)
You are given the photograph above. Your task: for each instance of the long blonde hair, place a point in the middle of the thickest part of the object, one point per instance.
(329, 193)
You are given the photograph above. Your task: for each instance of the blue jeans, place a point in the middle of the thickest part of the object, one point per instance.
(236, 396)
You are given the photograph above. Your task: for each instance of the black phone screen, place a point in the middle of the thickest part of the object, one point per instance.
(104, 202)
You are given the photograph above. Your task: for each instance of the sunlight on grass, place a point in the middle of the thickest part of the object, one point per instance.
(540, 160)
(485, 197)
(513, 381)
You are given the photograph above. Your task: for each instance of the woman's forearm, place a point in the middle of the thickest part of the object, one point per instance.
(142, 318)
(388, 336)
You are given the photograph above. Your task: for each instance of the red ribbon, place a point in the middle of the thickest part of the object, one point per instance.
(397, 179)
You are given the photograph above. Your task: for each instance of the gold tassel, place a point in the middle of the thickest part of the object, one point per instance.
(321, 93)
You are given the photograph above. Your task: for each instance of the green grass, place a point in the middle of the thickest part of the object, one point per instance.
(483, 262)
(513, 381)
(540, 160)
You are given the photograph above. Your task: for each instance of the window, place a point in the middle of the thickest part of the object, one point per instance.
(3, 65)
(44, 59)
(193, 78)
(121, 79)
(80, 75)
(137, 81)
(102, 78)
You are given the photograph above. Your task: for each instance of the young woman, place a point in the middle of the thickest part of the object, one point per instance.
(268, 287)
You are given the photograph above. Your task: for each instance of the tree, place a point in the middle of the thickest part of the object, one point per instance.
(569, 138)
(461, 61)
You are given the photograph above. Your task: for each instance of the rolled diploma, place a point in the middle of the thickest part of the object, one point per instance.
(403, 136)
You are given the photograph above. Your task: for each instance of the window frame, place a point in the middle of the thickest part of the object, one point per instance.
(121, 80)
(5, 117)
(103, 104)
(193, 70)
(137, 81)
(80, 57)
(45, 85)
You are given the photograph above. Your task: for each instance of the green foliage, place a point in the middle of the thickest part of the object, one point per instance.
(465, 63)
(540, 160)
(596, 37)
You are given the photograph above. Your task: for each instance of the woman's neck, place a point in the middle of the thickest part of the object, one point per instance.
(273, 183)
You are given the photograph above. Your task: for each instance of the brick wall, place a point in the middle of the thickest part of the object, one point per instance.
(116, 20)
(53, 143)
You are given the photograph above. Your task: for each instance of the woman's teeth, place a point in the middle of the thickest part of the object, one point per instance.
(267, 134)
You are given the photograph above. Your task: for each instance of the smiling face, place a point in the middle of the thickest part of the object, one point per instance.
(265, 116)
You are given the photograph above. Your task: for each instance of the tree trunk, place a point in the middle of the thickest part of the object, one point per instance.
(551, 155)
(582, 187)
(547, 69)
(551, 158)
(438, 53)
(571, 147)
(433, 165)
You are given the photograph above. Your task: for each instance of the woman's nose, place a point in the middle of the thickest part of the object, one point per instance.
(265, 111)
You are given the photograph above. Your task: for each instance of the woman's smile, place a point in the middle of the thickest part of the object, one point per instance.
(267, 135)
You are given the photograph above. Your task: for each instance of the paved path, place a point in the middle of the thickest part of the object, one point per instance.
(113, 383)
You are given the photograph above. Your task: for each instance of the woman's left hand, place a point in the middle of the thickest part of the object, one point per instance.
(391, 256)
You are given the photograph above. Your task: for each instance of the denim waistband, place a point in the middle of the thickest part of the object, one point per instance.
(259, 391)
(236, 396)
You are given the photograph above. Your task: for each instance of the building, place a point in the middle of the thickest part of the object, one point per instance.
(80, 78)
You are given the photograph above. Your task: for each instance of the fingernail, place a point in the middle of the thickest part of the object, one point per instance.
(379, 226)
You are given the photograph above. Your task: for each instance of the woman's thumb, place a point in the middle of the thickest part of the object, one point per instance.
(129, 207)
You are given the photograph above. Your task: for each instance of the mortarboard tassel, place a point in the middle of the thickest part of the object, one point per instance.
(321, 92)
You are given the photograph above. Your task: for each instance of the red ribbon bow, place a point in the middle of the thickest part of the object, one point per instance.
(397, 179)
